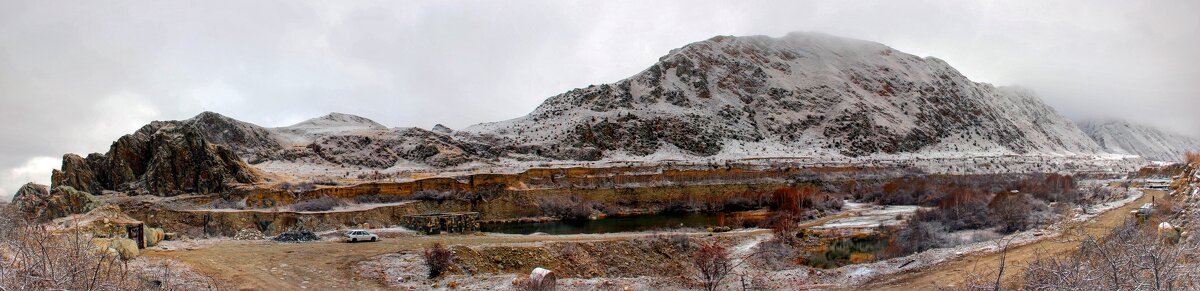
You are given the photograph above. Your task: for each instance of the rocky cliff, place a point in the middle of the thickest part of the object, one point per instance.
(162, 158)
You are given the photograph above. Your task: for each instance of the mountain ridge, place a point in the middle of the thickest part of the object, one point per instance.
(1124, 137)
(801, 95)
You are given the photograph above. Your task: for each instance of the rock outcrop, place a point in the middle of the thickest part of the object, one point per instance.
(44, 204)
(162, 158)
(30, 197)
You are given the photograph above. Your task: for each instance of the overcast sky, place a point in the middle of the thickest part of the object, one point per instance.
(75, 76)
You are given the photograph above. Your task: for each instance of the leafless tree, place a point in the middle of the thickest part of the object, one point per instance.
(712, 260)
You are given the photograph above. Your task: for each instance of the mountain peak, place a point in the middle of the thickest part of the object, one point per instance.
(342, 120)
(800, 92)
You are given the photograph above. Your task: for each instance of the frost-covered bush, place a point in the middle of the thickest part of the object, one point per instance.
(325, 203)
(571, 208)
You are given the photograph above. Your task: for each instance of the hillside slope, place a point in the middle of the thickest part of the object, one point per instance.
(1122, 137)
(804, 92)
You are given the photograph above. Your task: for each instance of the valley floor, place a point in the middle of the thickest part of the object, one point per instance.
(954, 273)
(330, 264)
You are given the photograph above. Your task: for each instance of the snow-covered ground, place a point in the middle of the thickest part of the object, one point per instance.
(863, 216)
(852, 275)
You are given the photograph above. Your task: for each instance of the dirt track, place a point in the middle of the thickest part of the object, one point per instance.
(954, 273)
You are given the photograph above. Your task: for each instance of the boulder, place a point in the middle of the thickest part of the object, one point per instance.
(153, 236)
(126, 248)
(31, 197)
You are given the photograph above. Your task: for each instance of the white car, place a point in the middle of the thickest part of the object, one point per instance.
(357, 235)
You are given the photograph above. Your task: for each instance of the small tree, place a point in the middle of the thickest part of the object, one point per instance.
(437, 259)
(713, 262)
(1011, 211)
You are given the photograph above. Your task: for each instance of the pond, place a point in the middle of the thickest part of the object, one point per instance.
(846, 251)
(629, 223)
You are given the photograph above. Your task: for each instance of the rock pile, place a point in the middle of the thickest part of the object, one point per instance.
(249, 234)
(297, 236)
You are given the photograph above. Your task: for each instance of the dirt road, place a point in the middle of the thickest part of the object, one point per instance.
(954, 273)
(328, 265)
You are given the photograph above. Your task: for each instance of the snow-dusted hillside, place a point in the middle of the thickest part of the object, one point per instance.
(804, 92)
(1122, 137)
(804, 96)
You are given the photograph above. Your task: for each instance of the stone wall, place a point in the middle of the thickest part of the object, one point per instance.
(455, 222)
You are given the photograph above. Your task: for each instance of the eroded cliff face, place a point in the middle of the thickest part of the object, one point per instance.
(162, 158)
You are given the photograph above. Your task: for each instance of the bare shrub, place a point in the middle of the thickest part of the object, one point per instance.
(961, 209)
(713, 263)
(680, 242)
(325, 203)
(379, 198)
(1191, 157)
(1167, 208)
(432, 195)
(33, 258)
(785, 229)
(437, 258)
(912, 237)
(777, 255)
(299, 187)
(1130, 257)
(228, 204)
(571, 208)
(1011, 212)
(325, 181)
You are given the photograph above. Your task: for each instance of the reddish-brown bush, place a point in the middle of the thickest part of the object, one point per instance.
(713, 263)
(437, 258)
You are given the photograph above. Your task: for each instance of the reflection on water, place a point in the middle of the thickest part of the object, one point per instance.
(630, 223)
(845, 251)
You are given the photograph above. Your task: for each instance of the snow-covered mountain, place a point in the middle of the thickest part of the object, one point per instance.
(801, 95)
(804, 92)
(336, 140)
(1122, 137)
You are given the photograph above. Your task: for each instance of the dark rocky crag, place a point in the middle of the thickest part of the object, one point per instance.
(162, 158)
(41, 203)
